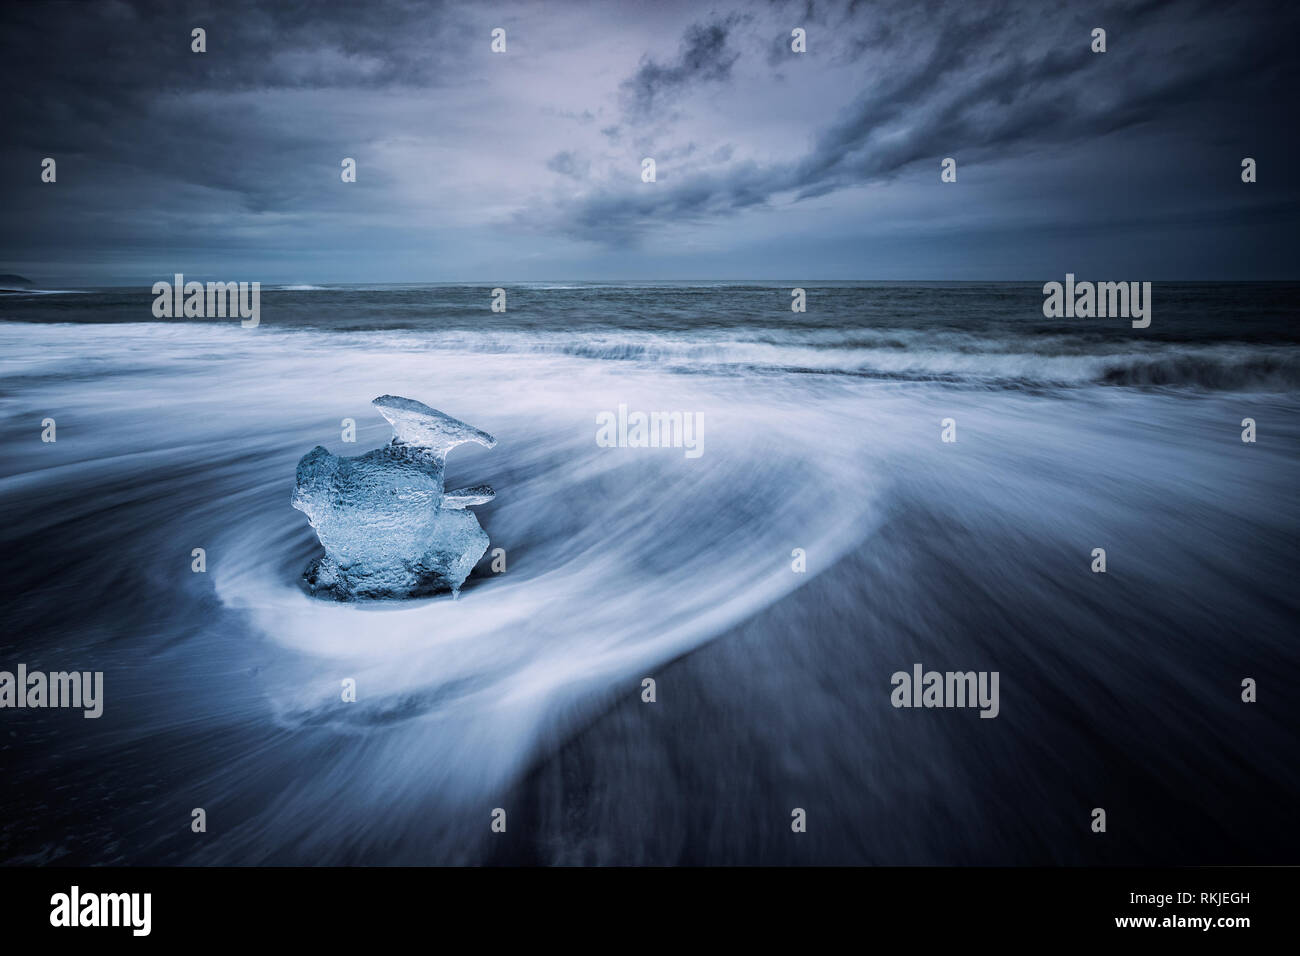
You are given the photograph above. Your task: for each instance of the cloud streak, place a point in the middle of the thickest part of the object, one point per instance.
(979, 88)
(705, 57)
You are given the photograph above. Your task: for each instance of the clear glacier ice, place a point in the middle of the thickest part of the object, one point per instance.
(388, 527)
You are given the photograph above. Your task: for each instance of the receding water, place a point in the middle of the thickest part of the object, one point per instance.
(820, 432)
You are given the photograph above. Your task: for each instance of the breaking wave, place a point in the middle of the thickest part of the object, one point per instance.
(906, 356)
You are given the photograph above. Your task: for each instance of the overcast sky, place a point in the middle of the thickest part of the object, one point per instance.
(476, 166)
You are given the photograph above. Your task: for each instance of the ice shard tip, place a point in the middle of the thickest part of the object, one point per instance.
(415, 423)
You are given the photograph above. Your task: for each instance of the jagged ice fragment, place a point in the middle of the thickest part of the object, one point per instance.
(388, 527)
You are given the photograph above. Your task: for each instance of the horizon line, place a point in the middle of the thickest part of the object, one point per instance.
(783, 282)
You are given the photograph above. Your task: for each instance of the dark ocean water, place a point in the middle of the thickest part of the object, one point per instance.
(821, 432)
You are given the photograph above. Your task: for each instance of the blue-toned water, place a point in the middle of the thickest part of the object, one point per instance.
(821, 432)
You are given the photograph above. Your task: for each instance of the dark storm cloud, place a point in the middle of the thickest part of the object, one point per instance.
(704, 57)
(985, 81)
(238, 149)
(124, 49)
(111, 90)
(91, 74)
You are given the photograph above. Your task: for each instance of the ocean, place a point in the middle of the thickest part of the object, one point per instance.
(821, 444)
